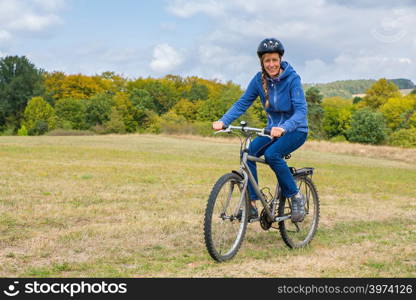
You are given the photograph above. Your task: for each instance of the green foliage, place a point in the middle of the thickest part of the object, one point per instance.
(163, 93)
(71, 113)
(215, 107)
(398, 110)
(20, 80)
(315, 112)
(39, 116)
(116, 123)
(187, 109)
(196, 92)
(367, 127)
(22, 131)
(39, 127)
(337, 116)
(379, 93)
(356, 100)
(404, 138)
(131, 116)
(338, 139)
(98, 109)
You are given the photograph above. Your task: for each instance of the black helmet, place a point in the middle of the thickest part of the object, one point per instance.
(270, 45)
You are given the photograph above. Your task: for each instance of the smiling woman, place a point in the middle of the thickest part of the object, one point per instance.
(282, 97)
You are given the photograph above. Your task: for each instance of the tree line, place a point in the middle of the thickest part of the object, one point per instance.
(36, 102)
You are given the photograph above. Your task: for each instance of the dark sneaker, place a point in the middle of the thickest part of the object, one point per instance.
(298, 207)
(253, 213)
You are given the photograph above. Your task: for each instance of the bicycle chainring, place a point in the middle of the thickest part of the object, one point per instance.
(264, 220)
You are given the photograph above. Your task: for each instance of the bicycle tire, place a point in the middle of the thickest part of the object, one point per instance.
(300, 234)
(218, 218)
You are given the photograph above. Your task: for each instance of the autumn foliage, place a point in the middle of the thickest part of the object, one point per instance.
(35, 102)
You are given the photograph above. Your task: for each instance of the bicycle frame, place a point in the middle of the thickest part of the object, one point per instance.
(248, 176)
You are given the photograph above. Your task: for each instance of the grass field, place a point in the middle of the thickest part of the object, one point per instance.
(133, 206)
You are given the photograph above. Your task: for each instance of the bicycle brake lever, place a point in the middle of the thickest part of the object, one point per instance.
(223, 130)
(266, 135)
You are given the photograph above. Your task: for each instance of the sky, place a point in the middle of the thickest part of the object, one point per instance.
(324, 40)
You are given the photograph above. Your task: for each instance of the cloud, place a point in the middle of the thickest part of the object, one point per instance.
(186, 9)
(32, 22)
(20, 18)
(323, 39)
(165, 58)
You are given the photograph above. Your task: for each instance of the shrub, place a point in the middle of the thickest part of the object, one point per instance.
(22, 131)
(367, 127)
(338, 139)
(40, 127)
(403, 138)
(39, 116)
(116, 123)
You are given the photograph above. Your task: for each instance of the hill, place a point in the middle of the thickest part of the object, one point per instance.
(348, 88)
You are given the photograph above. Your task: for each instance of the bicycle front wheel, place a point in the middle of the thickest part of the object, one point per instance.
(225, 218)
(299, 234)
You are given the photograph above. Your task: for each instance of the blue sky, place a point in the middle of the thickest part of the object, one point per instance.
(324, 40)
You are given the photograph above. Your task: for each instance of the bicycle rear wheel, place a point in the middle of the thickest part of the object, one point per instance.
(299, 234)
(225, 220)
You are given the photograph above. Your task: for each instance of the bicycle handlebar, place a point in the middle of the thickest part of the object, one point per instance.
(259, 131)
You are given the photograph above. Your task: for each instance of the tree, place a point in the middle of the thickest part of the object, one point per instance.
(142, 99)
(337, 116)
(379, 93)
(398, 110)
(187, 109)
(214, 108)
(98, 109)
(71, 113)
(315, 112)
(20, 80)
(367, 127)
(116, 123)
(39, 116)
(129, 114)
(196, 92)
(163, 92)
(60, 86)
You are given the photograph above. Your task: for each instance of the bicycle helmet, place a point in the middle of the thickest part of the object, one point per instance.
(270, 45)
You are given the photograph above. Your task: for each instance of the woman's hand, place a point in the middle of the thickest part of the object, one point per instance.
(277, 132)
(218, 125)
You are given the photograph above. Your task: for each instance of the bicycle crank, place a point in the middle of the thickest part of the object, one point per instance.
(264, 220)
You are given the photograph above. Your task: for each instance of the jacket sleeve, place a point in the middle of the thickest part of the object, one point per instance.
(242, 104)
(297, 97)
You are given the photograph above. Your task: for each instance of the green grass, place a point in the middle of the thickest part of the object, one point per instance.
(133, 206)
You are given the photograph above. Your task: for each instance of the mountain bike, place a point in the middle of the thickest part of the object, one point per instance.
(226, 214)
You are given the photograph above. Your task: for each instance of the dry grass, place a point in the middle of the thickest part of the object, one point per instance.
(133, 205)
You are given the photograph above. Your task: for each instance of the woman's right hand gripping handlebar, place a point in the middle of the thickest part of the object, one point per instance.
(218, 125)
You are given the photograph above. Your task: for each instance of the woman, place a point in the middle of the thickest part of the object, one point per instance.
(281, 94)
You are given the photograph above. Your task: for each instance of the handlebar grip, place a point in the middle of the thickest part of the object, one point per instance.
(267, 131)
(224, 126)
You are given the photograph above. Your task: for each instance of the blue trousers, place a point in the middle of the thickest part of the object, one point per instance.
(274, 152)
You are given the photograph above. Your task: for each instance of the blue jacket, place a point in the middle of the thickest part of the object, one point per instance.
(287, 104)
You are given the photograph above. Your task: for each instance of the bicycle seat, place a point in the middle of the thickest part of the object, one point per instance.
(288, 156)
